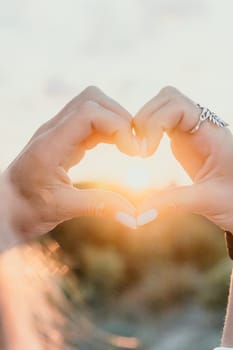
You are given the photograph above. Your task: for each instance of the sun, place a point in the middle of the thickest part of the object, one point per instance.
(137, 177)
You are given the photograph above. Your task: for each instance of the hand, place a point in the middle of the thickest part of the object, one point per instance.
(40, 194)
(207, 157)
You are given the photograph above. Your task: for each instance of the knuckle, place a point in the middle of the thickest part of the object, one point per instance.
(91, 91)
(179, 104)
(184, 106)
(169, 91)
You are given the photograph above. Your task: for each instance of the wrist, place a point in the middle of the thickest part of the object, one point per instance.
(8, 200)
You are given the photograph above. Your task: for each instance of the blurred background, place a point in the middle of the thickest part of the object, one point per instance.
(92, 284)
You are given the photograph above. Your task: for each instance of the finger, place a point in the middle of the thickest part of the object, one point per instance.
(96, 139)
(107, 102)
(92, 142)
(99, 203)
(91, 93)
(114, 125)
(92, 119)
(166, 119)
(116, 129)
(177, 118)
(184, 199)
(168, 111)
(182, 105)
(147, 110)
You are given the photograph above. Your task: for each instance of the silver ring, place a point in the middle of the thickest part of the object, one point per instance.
(206, 114)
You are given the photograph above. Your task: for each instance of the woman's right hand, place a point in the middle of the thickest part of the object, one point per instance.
(206, 156)
(36, 192)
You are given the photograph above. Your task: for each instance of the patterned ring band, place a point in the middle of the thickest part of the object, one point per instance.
(206, 114)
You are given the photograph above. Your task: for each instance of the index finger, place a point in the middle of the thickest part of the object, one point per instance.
(91, 93)
(174, 113)
(69, 137)
(167, 99)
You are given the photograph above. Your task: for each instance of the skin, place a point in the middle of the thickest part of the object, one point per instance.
(227, 338)
(206, 156)
(36, 193)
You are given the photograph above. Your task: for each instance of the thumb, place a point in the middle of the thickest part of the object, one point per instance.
(185, 198)
(100, 203)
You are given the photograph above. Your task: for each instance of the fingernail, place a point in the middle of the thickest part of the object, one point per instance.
(126, 220)
(147, 217)
(144, 147)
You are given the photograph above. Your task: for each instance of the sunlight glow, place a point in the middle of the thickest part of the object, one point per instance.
(137, 177)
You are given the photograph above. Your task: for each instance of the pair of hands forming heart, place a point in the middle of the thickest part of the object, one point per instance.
(40, 194)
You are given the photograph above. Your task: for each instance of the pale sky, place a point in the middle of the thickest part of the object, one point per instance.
(51, 50)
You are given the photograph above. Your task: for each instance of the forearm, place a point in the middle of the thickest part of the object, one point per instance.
(227, 339)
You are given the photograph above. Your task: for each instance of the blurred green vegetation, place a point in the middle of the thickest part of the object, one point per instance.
(128, 286)
(177, 257)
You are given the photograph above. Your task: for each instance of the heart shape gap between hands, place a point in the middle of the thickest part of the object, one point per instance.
(44, 195)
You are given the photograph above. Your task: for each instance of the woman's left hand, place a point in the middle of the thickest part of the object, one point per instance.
(206, 156)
